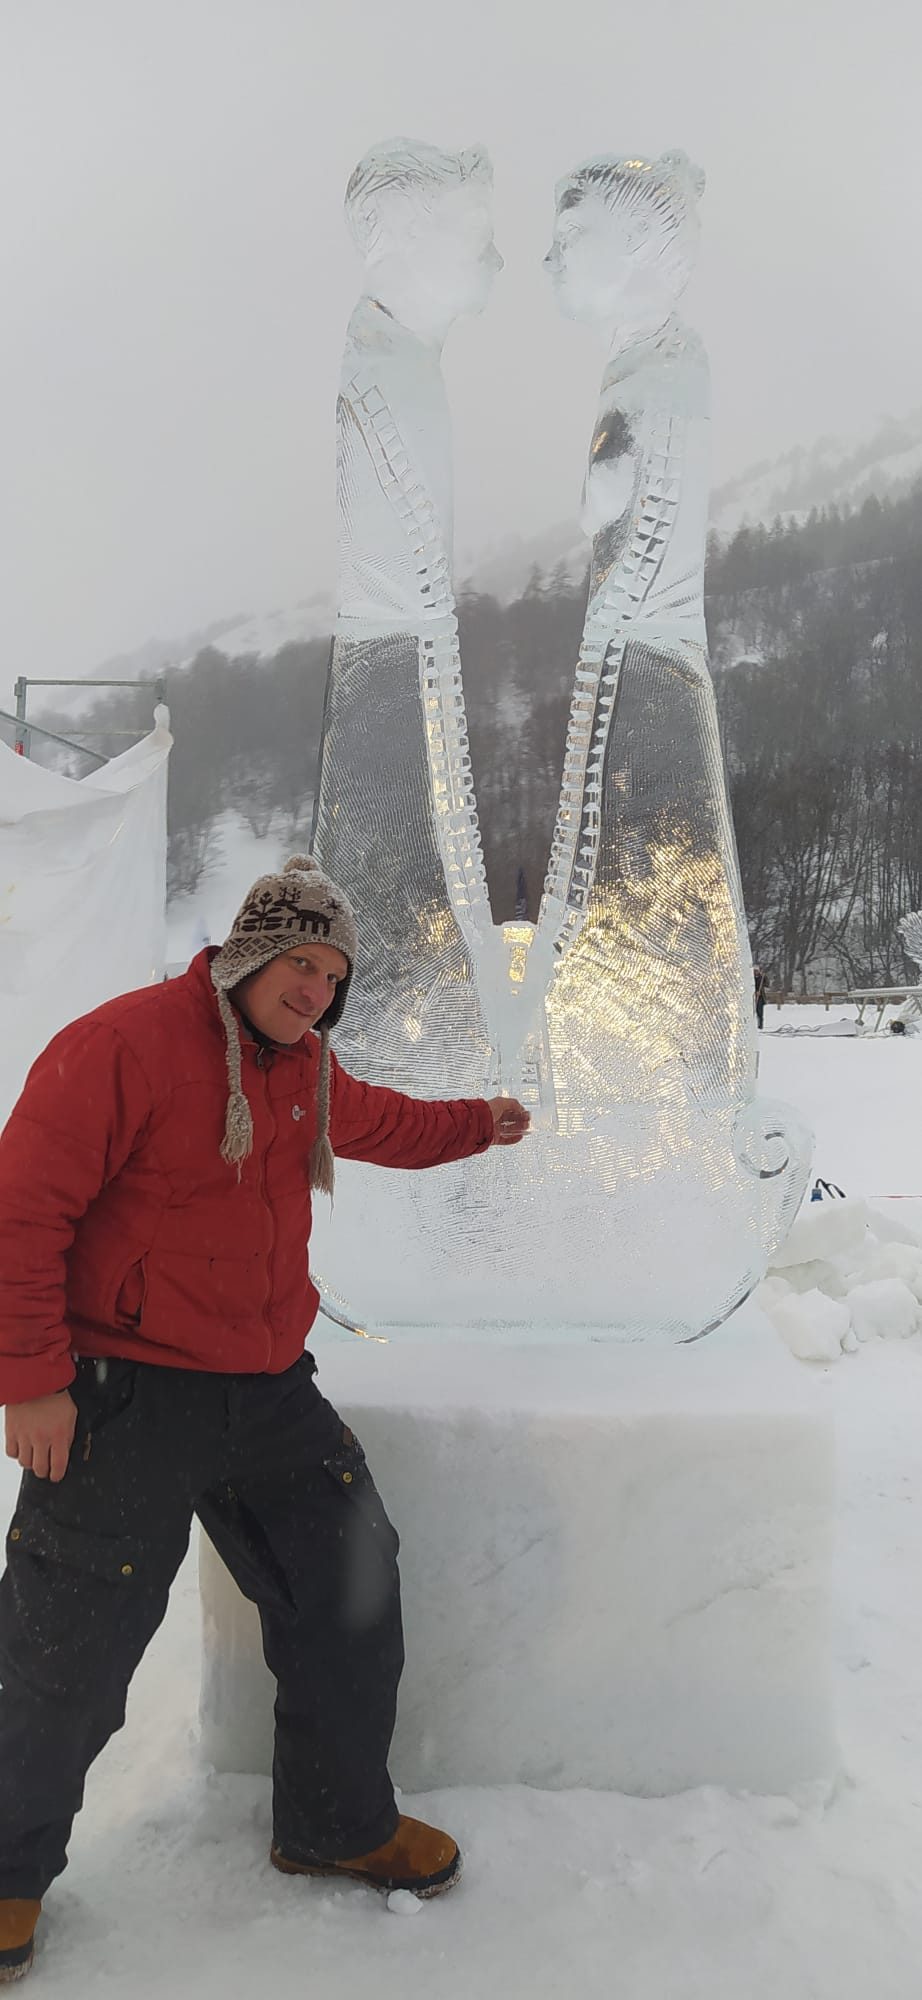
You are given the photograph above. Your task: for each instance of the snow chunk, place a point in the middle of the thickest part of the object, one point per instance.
(897, 1260)
(822, 1230)
(846, 1274)
(885, 1308)
(814, 1327)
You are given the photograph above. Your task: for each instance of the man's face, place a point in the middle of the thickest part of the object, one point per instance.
(288, 996)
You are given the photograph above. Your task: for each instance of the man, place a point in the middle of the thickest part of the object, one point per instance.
(759, 992)
(155, 1208)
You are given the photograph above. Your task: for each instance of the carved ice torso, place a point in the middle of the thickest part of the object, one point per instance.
(648, 466)
(390, 378)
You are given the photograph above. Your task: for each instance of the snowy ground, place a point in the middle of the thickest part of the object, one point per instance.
(701, 1897)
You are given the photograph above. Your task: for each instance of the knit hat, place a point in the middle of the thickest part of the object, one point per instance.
(279, 912)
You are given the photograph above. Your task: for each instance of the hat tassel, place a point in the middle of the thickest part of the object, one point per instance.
(321, 1165)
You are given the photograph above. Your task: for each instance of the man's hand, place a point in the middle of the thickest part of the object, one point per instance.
(40, 1434)
(510, 1120)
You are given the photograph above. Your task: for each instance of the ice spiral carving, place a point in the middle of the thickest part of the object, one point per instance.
(654, 1185)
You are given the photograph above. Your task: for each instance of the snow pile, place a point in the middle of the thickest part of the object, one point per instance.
(816, 1328)
(844, 1028)
(846, 1274)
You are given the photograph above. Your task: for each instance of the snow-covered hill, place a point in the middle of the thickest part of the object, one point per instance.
(831, 472)
(834, 472)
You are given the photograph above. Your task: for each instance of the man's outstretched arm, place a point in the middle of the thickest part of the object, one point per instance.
(387, 1129)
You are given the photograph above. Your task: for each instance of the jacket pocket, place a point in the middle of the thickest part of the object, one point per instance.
(132, 1292)
(112, 1558)
(369, 1585)
(348, 1468)
(103, 1391)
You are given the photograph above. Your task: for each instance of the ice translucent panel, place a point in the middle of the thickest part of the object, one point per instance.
(654, 1186)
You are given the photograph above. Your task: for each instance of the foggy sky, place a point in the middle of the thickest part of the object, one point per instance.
(176, 274)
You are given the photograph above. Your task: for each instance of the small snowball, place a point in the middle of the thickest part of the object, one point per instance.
(814, 1327)
(404, 1903)
(885, 1308)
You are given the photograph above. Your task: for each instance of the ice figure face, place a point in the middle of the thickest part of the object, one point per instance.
(454, 258)
(422, 219)
(625, 238)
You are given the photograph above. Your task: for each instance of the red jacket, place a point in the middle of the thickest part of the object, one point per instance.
(122, 1230)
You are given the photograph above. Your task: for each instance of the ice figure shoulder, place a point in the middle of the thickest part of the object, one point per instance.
(422, 222)
(625, 240)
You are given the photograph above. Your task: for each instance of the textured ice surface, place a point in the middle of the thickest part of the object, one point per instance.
(654, 1186)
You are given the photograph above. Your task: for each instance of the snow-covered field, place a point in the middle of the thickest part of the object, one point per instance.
(705, 1896)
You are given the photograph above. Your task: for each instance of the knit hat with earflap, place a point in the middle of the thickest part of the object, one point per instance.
(281, 911)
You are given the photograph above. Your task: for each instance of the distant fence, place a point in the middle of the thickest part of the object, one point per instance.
(896, 997)
(778, 998)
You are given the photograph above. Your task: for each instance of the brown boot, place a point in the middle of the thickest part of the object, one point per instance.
(18, 1919)
(418, 1857)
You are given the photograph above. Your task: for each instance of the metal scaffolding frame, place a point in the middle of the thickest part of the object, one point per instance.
(25, 730)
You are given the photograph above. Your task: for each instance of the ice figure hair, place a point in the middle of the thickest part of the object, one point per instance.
(396, 185)
(658, 197)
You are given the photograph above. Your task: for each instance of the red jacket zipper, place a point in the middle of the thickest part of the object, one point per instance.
(261, 1065)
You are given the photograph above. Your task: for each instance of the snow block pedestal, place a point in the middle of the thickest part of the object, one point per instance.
(615, 1565)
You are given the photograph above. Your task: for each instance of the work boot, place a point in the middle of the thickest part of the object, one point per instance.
(418, 1857)
(18, 1919)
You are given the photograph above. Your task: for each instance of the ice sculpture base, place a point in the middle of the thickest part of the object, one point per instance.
(615, 1566)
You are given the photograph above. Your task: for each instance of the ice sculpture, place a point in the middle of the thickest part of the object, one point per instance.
(909, 1016)
(653, 1188)
(911, 935)
(395, 810)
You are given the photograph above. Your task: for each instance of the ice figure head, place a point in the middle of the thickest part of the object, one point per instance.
(625, 239)
(422, 220)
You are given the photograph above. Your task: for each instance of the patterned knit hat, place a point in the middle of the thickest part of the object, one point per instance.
(279, 912)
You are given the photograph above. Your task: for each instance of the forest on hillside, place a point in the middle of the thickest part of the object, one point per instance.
(816, 643)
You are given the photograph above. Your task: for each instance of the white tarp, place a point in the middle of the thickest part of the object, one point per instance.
(82, 893)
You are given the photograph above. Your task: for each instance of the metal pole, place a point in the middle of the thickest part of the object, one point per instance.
(32, 682)
(19, 740)
(31, 729)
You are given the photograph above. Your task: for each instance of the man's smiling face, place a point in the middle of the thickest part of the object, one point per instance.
(287, 997)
